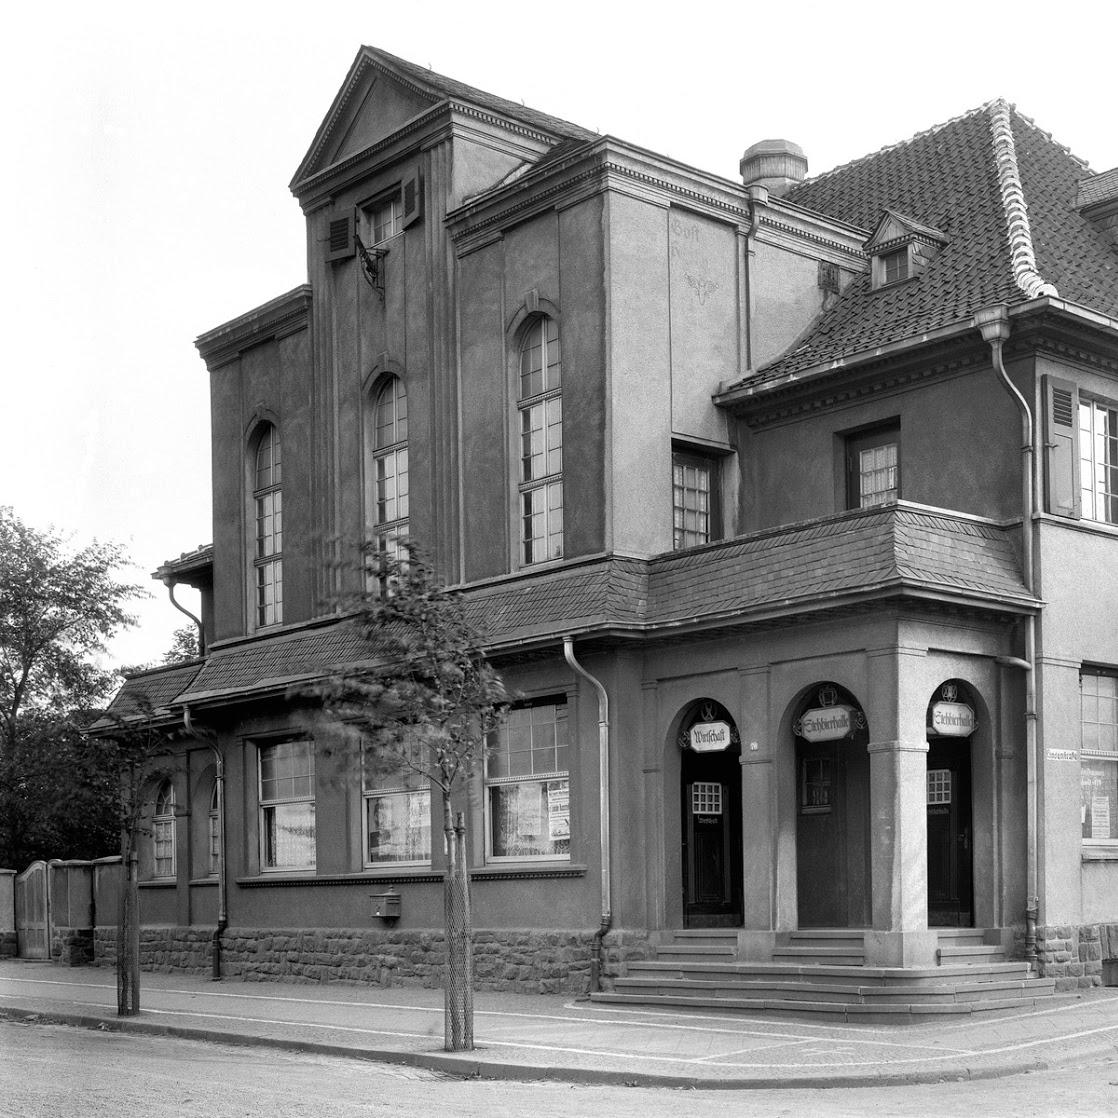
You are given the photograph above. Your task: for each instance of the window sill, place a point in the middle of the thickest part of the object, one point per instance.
(1100, 853)
(516, 871)
(415, 876)
(202, 881)
(159, 883)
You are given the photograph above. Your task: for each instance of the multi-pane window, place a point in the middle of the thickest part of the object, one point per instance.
(894, 266)
(815, 785)
(1099, 756)
(163, 832)
(287, 832)
(873, 474)
(214, 830)
(1098, 461)
(397, 813)
(540, 434)
(528, 785)
(694, 500)
(384, 219)
(267, 497)
(388, 498)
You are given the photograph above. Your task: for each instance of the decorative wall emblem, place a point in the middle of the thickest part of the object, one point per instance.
(703, 288)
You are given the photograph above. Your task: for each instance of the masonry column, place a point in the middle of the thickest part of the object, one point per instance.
(898, 811)
(758, 805)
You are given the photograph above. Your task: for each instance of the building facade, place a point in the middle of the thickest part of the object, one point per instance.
(789, 507)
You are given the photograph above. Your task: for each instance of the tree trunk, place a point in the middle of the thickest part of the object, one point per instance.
(458, 987)
(128, 938)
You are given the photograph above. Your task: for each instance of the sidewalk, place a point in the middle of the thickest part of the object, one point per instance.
(528, 1037)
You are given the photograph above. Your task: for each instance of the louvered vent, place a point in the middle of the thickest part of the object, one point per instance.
(1062, 411)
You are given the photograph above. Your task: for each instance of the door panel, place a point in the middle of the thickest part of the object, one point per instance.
(712, 850)
(950, 865)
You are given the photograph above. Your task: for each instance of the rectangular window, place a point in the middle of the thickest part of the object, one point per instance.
(873, 472)
(1098, 461)
(815, 785)
(397, 813)
(287, 831)
(163, 843)
(894, 266)
(1099, 756)
(384, 219)
(695, 481)
(528, 785)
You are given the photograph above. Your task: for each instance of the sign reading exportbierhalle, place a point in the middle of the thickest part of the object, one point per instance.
(952, 720)
(826, 723)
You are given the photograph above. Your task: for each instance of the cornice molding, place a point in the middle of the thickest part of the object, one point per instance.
(272, 321)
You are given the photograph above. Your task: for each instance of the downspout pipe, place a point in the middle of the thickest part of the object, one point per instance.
(993, 323)
(603, 810)
(222, 913)
(170, 583)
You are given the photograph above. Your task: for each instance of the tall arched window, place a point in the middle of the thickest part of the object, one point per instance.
(267, 498)
(540, 431)
(388, 474)
(163, 832)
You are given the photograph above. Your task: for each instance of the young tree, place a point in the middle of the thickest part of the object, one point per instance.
(57, 610)
(425, 699)
(137, 745)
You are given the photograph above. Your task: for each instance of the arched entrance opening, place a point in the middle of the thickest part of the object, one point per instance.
(832, 810)
(710, 817)
(952, 719)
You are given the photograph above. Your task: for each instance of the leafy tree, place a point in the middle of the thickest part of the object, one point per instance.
(184, 646)
(57, 609)
(425, 699)
(57, 792)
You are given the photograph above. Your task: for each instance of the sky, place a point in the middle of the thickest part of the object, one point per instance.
(150, 147)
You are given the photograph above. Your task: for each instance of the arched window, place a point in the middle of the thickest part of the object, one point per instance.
(540, 431)
(214, 831)
(388, 473)
(163, 832)
(267, 498)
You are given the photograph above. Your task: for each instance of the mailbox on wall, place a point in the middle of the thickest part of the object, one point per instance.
(386, 906)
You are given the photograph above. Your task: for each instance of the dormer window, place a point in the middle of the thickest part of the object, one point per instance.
(901, 248)
(894, 266)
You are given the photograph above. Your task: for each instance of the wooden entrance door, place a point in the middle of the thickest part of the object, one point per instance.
(950, 863)
(33, 912)
(712, 849)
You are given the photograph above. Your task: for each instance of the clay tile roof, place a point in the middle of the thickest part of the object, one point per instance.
(1002, 191)
(1102, 187)
(151, 691)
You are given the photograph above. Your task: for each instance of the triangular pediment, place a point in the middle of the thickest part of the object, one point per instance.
(893, 228)
(372, 104)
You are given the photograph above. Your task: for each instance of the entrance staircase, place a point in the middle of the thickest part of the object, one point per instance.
(821, 974)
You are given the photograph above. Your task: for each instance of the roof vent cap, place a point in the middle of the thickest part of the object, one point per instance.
(777, 165)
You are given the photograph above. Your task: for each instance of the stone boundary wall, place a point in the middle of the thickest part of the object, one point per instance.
(1072, 954)
(9, 945)
(72, 947)
(520, 960)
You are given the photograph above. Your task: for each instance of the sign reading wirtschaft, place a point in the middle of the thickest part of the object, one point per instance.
(710, 737)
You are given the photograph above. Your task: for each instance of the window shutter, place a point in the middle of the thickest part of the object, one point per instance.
(411, 197)
(1061, 438)
(340, 239)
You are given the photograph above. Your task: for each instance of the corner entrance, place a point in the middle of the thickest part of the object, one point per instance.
(710, 805)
